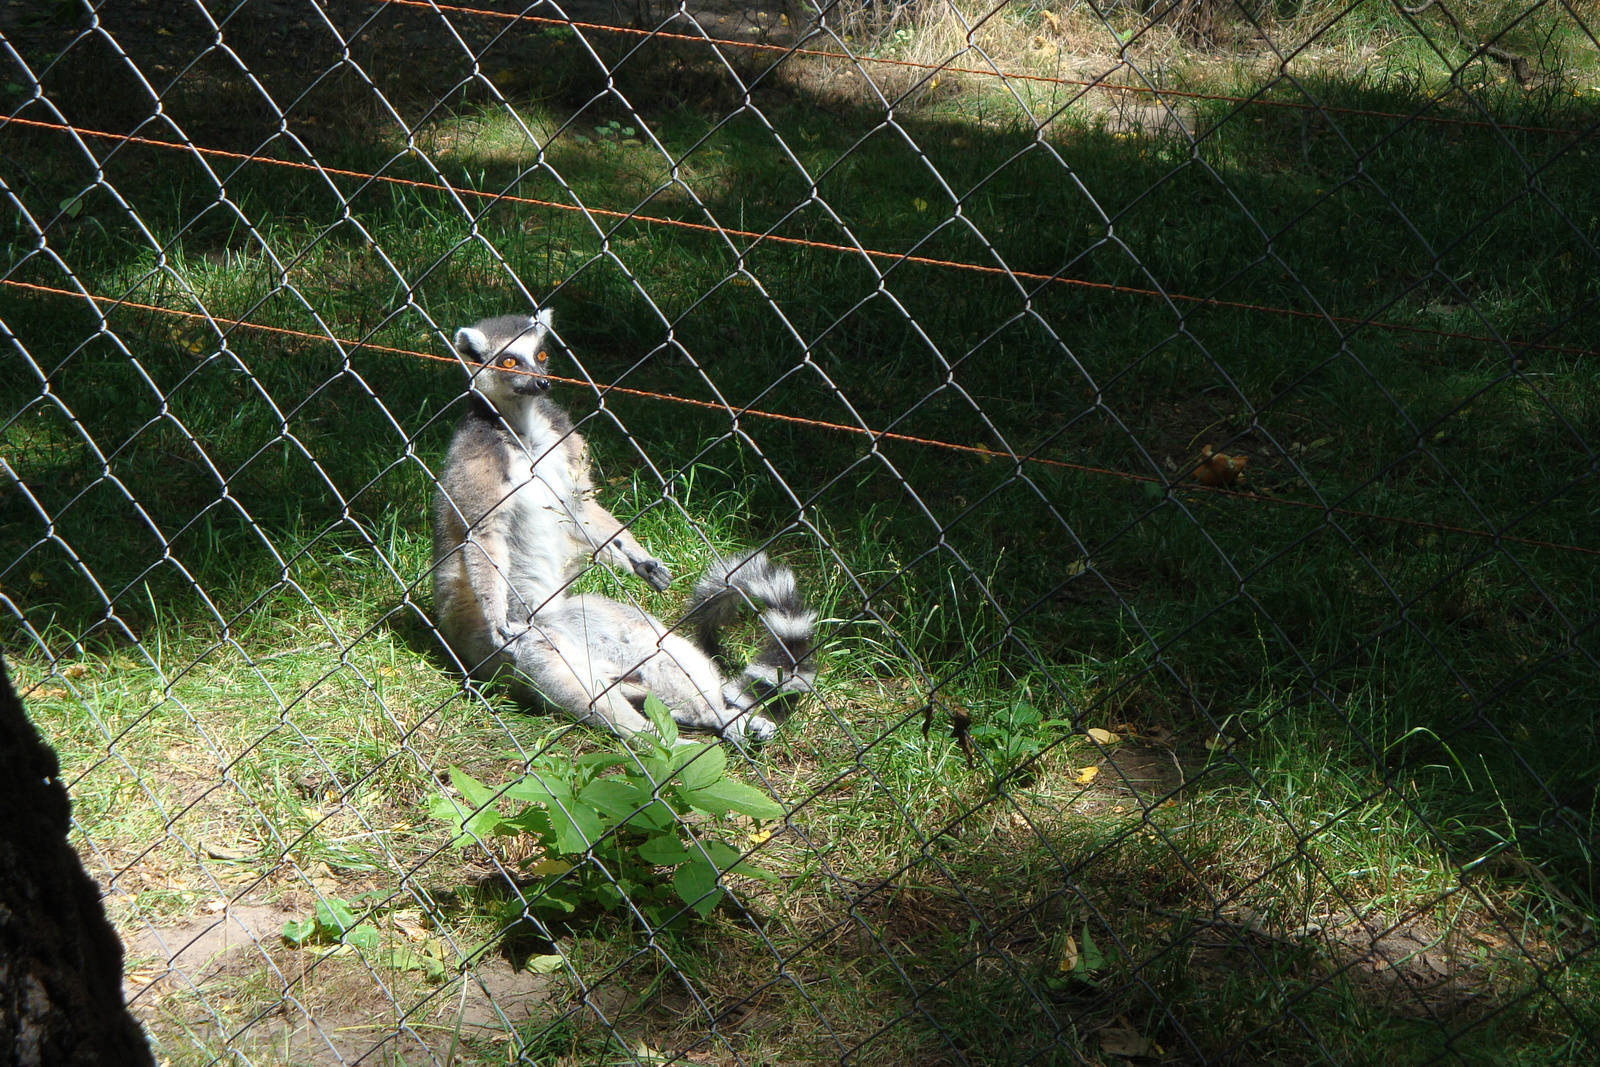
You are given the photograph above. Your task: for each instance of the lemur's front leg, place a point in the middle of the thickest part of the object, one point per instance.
(619, 548)
(487, 559)
(599, 531)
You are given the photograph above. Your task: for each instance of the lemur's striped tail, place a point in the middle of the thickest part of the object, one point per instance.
(784, 668)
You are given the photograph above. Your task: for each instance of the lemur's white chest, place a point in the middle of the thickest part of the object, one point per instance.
(539, 513)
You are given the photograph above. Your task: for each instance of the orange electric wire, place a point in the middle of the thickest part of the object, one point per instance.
(827, 246)
(1099, 84)
(875, 435)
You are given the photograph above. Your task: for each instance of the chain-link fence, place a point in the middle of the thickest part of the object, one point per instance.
(1185, 409)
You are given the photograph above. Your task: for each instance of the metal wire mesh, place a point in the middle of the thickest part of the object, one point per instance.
(1194, 399)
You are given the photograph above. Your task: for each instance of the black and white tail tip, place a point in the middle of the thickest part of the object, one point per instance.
(784, 667)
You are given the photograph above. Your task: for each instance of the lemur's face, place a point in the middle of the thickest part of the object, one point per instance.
(508, 357)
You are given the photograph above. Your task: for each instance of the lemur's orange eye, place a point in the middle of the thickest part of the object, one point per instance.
(542, 357)
(508, 362)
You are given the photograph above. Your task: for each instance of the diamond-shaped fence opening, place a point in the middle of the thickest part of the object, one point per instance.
(1179, 415)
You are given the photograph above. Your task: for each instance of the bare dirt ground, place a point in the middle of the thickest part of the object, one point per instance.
(184, 980)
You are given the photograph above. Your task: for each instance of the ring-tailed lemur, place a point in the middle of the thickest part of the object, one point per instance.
(514, 521)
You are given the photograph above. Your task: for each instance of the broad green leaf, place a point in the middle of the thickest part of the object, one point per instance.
(532, 789)
(576, 824)
(661, 719)
(334, 915)
(1091, 959)
(446, 808)
(475, 814)
(404, 959)
(656, 770)
(696, 885)
(558, 896)
(465, 824)
(721, 853)
(698, 767)
(726, 795)
(298, 931)
(475, 793)
(663, 851)
(543, 964)
(616, 797)
(657, 817)
(727, 859)
(535, 822)
(364, 937)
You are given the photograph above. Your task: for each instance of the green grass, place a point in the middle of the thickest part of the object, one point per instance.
(1337, 732)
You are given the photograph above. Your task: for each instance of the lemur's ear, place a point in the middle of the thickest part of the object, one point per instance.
(472, 344)
(545, 317)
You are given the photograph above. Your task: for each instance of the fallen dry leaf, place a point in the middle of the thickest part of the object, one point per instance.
(1218, 470)
(218, 852)
(1069, 955)
(543, 867)
(1117, 1041)
(409, 926)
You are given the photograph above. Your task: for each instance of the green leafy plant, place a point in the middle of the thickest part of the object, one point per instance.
(334, 926)
(333, 923)
(610, 827)
(1080, 962)
(1012, 735)
(612, 132)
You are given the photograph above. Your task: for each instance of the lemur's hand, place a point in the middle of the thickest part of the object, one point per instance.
(654, 572)
(509, 633)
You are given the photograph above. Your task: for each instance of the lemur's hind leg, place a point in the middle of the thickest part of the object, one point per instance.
(688, 682)
(564, 673)
(638, 649)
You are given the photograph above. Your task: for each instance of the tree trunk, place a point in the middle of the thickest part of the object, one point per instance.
(60, 960)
